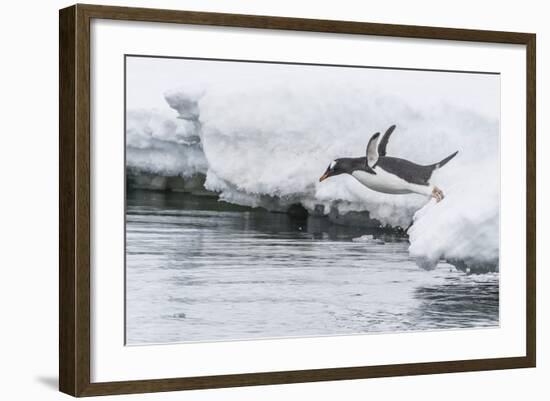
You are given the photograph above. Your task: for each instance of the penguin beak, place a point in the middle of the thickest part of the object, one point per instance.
(324, 176)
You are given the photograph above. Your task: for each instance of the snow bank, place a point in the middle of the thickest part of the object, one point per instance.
(265, 142)
(465, 225)
(157, 142)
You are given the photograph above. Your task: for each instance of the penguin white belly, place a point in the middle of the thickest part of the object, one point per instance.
(388, 183)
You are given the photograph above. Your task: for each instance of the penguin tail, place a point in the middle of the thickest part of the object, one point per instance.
(444, 161)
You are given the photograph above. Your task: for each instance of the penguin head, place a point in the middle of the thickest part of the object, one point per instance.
(334, 168)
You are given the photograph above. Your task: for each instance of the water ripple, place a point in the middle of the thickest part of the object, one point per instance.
(204, 274)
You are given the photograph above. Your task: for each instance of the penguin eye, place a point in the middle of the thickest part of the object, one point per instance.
(332, 165)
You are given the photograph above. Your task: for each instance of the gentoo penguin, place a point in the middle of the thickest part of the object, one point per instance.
(387, 174)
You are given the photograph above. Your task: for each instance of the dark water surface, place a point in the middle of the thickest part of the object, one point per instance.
(202, 270)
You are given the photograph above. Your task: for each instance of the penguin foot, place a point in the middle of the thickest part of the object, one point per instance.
(437, 194)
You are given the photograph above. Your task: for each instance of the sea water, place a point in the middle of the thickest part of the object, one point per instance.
(198, 269)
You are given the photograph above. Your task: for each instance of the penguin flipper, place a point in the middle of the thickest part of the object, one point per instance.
(372, 151)
(384, 141)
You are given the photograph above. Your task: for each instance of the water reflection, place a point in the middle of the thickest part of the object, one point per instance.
(202, 270)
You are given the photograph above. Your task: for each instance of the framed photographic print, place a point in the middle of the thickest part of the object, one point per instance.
(250, 200)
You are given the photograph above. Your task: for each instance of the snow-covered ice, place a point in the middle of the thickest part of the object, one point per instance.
(263, 134)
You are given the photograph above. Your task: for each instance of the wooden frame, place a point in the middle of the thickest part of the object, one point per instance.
(74, 200)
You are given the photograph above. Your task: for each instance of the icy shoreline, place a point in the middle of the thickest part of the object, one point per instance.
(251, 148)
